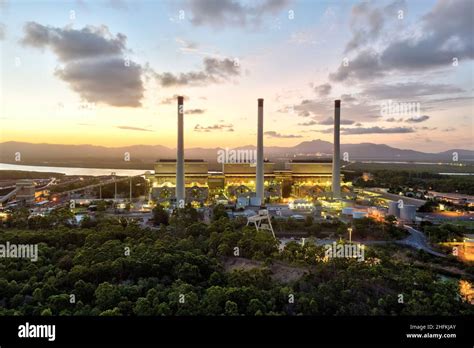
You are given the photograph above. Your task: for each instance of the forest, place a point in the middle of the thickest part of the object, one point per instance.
(112, 267)
(399, 180)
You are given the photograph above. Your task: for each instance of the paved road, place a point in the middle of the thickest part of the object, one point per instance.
(417, 240)
(407, 200)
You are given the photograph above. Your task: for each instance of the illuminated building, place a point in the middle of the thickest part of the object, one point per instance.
(260, 182)
(163, 181)
(304, 179)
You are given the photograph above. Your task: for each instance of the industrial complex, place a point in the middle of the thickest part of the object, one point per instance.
(253, 183)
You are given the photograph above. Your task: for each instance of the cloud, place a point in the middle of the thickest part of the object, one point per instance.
(222, 13)
(215, 127)
(95, 81)
(134, 128)
(117, 4)
(436, 42)
(304, 113)
(446, 33)
(347, 98)
(324, 131)
(302, 37)
(194, 111)
(367, 22)
(173, 99)
(393, 119)
(370, 130)
(214, 71)
(94, 62)
(319, 109)
(408, 90)
(449, 129)
(323, 90)
(309, 123)
(186, 46)
(273, 134)
(71, 44)
(376, 130)
(366, 65)
(417, 119)
(2, 31)
(330, 121)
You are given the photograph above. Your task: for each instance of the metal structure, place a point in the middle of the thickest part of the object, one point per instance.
(262, 221)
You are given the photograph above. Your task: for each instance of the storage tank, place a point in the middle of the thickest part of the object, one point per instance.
(255, 201)
(347, 211)
(393, 209)
(242, 202)
(408, 213)
(359, 214)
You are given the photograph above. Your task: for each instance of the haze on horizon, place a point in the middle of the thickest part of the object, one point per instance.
(108, 72)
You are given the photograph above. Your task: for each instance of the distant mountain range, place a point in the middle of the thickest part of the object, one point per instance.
(146, 155)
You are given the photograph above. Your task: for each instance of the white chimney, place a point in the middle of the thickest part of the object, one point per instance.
(260, 178)
(180, 155)
(336, 156)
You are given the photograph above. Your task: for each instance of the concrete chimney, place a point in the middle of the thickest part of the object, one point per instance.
(336, 156)
(180, 155)
(260, 178)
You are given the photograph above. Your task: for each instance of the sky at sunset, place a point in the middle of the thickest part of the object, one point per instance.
(108, 72)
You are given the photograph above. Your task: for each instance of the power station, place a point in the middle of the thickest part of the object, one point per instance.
(256, 182)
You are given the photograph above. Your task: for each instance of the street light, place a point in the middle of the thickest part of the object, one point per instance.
(115, 181)
(350, 234)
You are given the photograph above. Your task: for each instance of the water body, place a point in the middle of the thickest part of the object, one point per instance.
(128, 172)
(73, 171)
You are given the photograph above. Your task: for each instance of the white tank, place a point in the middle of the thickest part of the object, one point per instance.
(408, 213)
(255, 201)
(347, 211)
(393, 209)
(359, 214)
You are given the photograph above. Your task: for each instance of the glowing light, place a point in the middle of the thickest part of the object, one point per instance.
(466, 290)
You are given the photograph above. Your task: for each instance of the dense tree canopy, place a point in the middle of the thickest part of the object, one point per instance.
(115, 269)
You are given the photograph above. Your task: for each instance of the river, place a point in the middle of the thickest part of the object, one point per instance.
(73, 171)
(106, 171)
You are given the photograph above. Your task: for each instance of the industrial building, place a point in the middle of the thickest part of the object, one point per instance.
(24, 193)
(308, 179)
(190, 181)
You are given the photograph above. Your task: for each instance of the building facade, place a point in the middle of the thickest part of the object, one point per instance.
(308, 179)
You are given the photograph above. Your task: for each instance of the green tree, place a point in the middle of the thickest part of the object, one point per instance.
(107, 296)
(231, 308)
(46, 312)
(219, 212)
(160, 216)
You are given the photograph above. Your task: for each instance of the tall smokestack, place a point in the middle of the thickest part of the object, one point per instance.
(180, 155)
(259, 178)
(336, 156)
